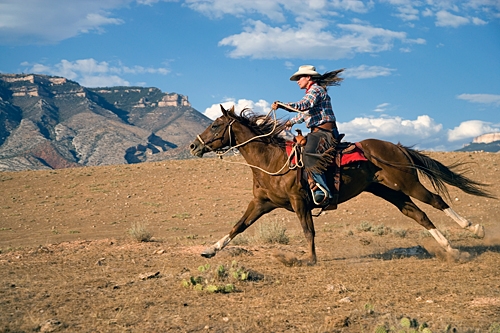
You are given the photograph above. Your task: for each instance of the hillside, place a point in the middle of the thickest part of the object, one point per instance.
(49, 122)
(489, 142)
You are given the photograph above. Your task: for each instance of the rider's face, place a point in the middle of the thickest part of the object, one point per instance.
(304, 81)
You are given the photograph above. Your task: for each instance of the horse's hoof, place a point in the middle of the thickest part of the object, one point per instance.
(478, 230)
(310, 262)
(454, 254)
(208, 253)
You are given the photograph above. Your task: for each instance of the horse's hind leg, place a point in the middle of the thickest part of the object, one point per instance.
(404, 203)
(419, 192)
(477, 229)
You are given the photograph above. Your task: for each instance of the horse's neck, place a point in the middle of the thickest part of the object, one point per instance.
(257, 152)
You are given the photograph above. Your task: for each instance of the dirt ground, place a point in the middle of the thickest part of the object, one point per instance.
(69, 264)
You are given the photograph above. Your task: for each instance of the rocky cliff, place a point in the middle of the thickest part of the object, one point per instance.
(52, 122)
(489, 142)
(487, 138)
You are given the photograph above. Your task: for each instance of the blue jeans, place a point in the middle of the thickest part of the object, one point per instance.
(317, 143)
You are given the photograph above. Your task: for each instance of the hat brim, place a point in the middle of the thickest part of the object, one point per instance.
(297, 75)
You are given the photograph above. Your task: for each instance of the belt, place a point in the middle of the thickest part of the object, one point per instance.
(324, 127)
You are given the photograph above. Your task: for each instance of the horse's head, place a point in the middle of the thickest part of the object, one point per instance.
(216, 136)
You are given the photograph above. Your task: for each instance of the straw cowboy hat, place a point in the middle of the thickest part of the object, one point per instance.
(305, 70)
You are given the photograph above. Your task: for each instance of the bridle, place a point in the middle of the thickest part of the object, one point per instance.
(221, 152)
(205, 145)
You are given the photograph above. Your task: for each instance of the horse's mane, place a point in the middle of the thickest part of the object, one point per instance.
(261, 125)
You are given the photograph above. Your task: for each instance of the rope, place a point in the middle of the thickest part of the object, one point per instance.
(289, 108)
(251, 139)
(294, 152)
(259, 168)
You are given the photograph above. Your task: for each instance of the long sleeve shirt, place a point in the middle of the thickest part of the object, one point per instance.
(316, 105)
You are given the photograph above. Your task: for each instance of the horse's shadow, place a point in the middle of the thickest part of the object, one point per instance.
(421, 253)
(477, 250)
(402, 252)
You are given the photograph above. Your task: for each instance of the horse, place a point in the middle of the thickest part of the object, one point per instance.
(391, 172)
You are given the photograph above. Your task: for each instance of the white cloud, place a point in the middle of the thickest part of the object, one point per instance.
(427, 12)
(405, 8)
(481, 98)
(151, 2)
(408, 10)
(263, 41)
(102, 81)
(381, 107)
(92, 73)
(470, 129)
(478, 21)
(50, 21)
(446, 19)
(276, 10)
(219, 8)
(367, 72)
(261, 107)
(392, 129)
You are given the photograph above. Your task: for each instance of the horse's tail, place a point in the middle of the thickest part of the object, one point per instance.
(439, 174)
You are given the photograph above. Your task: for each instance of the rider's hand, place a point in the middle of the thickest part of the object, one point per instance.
(288, 125)
(275, 105)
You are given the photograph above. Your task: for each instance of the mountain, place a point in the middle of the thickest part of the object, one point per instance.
(489, 142)
(49, 122)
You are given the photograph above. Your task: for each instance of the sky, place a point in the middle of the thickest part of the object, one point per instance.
(424, 73)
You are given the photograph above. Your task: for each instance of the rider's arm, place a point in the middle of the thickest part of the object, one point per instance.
(307, 102)
(298, 119)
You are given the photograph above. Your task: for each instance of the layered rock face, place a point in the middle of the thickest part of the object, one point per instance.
(51, 122)
(487, 138)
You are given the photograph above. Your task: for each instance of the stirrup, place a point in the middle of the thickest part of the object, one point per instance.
(325, 192)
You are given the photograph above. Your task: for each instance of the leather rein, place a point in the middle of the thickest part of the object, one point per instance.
(221, 152)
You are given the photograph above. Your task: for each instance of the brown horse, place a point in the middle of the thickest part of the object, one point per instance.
(391, 173)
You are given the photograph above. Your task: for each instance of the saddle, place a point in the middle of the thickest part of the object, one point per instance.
(343, 154)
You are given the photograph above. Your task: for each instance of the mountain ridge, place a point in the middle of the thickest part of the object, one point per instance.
(50, 122)
(489, 142)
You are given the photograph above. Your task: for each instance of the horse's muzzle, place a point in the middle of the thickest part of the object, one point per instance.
(197, 148)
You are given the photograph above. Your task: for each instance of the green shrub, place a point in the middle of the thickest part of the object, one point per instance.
(494, 328)
(221, 278)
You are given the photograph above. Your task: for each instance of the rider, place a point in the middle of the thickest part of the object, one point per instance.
(317, 112)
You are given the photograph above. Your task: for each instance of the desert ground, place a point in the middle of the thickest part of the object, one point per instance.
(117, 249)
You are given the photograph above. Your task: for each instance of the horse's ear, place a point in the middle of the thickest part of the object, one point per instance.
(227, 113)
(224, 112)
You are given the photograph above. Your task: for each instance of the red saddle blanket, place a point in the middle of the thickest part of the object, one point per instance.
(354, 155)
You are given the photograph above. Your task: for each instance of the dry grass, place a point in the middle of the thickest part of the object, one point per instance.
(265, 232)
(139, 232)
(272, 232)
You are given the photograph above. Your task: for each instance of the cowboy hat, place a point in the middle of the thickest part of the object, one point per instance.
(305, 70)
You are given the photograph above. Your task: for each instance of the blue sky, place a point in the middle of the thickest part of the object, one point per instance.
(423, 73)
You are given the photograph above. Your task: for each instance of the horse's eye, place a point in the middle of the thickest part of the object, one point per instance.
(215, 126)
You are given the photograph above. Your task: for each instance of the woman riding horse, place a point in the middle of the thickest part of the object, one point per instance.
(315, 108)
(390, 172)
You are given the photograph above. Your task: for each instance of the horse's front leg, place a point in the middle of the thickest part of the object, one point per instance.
(255, 210)
(308, 227)
(306, 221)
